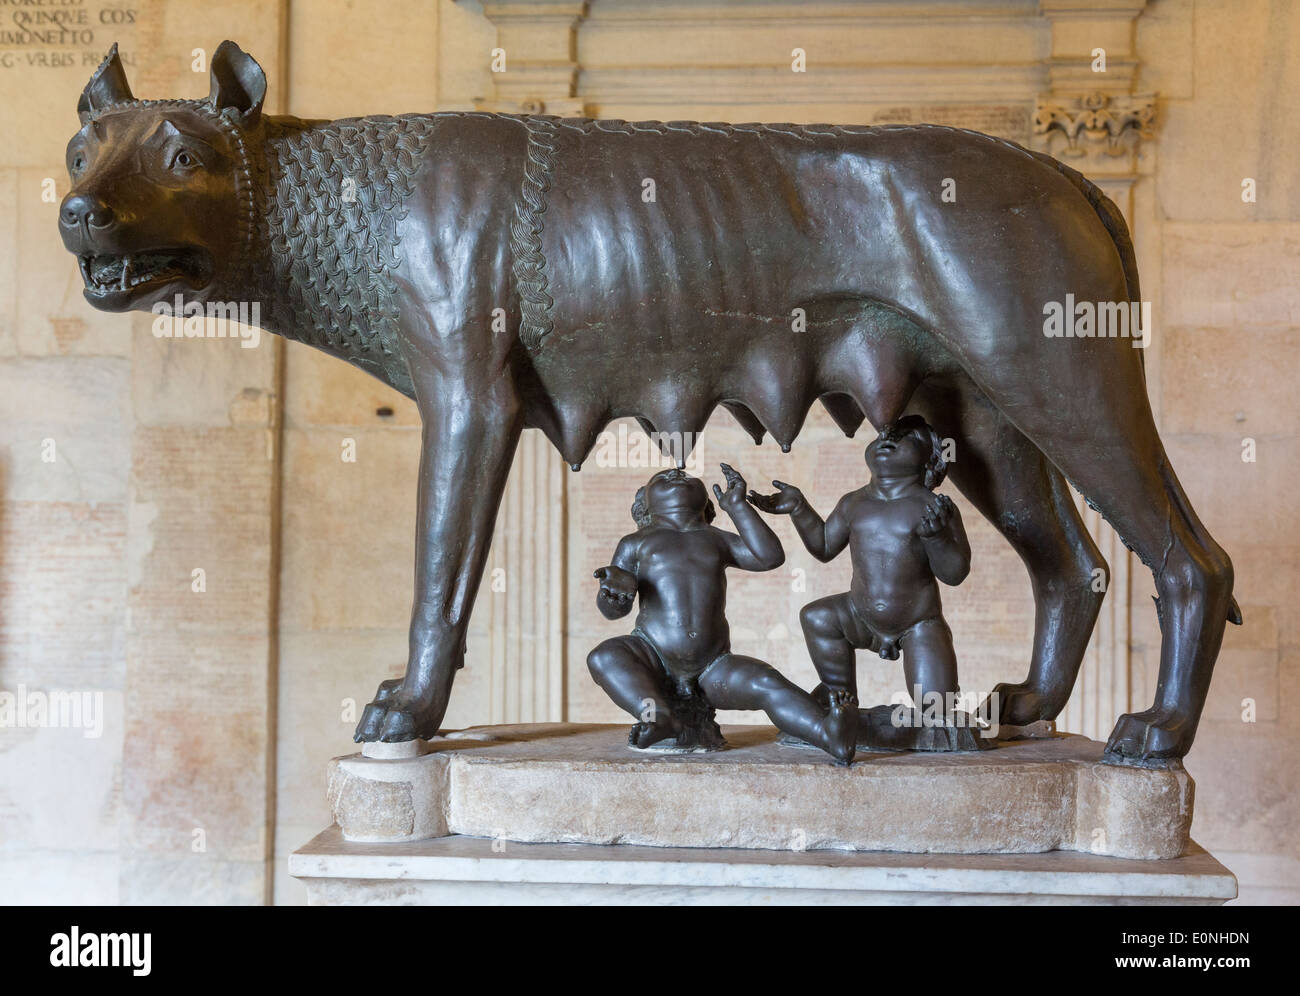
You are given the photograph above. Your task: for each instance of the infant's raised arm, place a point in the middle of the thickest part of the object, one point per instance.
(946, 545)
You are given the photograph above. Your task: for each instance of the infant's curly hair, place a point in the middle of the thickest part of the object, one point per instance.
(641, 513)
(936, 467)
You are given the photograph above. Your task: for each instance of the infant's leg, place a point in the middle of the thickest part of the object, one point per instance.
(829, 630)
(630, 673)
(929, 661)
(735, 682)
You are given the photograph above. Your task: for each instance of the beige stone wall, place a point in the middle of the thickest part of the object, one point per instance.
(129, 464)
(220, 707)
(1228, 275)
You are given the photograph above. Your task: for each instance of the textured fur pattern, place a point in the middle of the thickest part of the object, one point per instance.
(332, 196)
(332, 257)
(528, 261)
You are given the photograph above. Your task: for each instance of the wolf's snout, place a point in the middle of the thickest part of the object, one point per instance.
(83, 210)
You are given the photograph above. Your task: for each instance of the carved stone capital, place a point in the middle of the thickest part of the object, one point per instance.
(1096, 121)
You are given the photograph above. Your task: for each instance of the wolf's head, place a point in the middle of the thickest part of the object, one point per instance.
(161, 200)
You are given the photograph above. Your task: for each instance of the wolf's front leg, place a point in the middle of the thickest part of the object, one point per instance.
(468, 442)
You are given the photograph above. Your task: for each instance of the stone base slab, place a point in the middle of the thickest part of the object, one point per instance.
(471, 871)
(582, 784)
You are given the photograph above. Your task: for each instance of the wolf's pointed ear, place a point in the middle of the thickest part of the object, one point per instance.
(107, 86)
(238, 83)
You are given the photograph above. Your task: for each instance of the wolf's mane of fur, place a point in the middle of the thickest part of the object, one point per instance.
(331, 198)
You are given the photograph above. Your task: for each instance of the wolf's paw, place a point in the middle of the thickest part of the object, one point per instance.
(1018, 705)
(1152, 735)
(387, 689)
(394, 717)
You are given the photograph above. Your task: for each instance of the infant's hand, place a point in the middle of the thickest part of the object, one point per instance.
(786, 501)
(937, 517)
(616, 585)
(734, 496)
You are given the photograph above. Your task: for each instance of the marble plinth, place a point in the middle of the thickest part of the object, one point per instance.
(582, 784)
(474, 871)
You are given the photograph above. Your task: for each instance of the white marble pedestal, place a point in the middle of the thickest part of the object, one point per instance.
(569, 814)
(560, 783)
(476, 871)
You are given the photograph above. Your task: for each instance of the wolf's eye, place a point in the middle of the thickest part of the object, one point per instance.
(78, 164)
(184, 160)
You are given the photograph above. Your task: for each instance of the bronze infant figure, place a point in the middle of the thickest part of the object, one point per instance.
(505, 272)
(677, 667)
(904, 539)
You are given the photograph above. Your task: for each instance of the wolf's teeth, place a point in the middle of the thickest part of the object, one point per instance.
(126, 272)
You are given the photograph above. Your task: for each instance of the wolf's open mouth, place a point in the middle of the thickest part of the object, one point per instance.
(105, 274)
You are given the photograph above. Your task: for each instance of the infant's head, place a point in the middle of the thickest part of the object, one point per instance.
(669, 490)
(908, 446)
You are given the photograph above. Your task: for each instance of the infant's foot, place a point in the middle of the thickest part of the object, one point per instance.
(645, 735)
(841, 726)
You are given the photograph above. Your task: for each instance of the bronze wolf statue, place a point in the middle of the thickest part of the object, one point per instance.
(529, 271)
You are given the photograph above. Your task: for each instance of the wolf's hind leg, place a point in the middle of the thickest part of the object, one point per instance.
(1013, 485)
